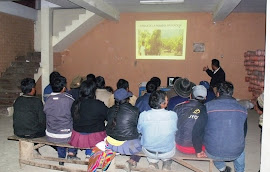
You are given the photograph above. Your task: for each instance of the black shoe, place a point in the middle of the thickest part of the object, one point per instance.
(61, 163)
(227, 169)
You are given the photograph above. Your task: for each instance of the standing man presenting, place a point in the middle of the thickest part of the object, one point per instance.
(217, 74)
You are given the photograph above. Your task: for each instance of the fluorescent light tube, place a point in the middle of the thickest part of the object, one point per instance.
(161, 2)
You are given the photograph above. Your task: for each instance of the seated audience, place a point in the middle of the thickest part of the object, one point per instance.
(183, 88)
(48, 89)
(192, 119)
(88, 115)
(156, 80)
(29, 120)
(210, 93)
(225, 130)
(59, 120)
(158, 127)
(109, 89)
(171, 93)
(101, 93)
(122, 83)
(121, 129)
(142, 102)
(75, 87)
(91, 77)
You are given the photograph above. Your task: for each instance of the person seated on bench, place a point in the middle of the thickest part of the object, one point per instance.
(48, 89)
(192, 119)
(226, 129)
(183, 88)
(89, 116)
(142, 103)
(121, 129)
(59, 120)
(122, 83)
(210, 92)
(158, 127)
(29, 120)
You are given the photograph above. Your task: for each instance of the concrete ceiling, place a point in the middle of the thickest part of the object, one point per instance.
(187, 6)
(220, 9)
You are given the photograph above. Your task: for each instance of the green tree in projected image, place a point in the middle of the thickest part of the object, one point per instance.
(162, 42)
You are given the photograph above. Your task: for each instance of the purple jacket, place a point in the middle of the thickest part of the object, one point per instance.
(59, 123)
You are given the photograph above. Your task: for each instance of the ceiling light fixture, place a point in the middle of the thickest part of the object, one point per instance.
(161, 2)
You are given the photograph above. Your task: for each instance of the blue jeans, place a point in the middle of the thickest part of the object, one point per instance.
(154, 158)
(88, 151)
(238, 162)
(62, 151)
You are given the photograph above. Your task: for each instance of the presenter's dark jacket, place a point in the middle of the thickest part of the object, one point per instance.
(216, 78)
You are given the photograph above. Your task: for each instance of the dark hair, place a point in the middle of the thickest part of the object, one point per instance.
(109, 89)
(58, 84)
(215, 62)
(156, 80)
(91, 77)
(53, 75)
(117, 107)
(156, 99)
(100, 82)
(122, 83)
(87, 91)
(151, 87)
(225, 88)
(27, 84)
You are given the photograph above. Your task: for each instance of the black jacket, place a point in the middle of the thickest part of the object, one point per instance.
(216, 78)
(93, 113)
(190, 132)
(126, 122)
(28, 117)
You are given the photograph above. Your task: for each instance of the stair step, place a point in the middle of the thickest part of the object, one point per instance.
(28, 58)
(9, 95)
(7, 101)
(24, 64)
(18, 76)
(27, 70)
(36, 54)
(4, 88)
(10, 81)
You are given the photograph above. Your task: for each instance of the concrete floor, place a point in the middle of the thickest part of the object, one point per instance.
(9, 150)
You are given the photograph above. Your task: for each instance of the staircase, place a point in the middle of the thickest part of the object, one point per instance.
(10, 80)
(66, 31)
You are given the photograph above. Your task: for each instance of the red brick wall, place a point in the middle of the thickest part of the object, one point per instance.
(16, 38)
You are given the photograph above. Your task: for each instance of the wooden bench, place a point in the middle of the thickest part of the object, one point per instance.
(27, 147)
(27, 156)
(179, 158)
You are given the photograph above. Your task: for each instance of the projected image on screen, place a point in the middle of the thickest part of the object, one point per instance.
(161, 39)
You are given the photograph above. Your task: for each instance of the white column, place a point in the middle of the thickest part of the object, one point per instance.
(46, 45)
(265, 152)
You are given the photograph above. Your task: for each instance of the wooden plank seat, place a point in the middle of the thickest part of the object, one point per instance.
(27, 146)
(180, 158)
